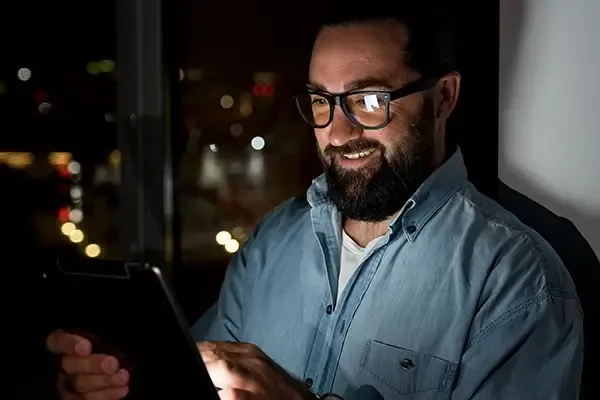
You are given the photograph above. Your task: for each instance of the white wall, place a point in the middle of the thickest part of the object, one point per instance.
(550, 106)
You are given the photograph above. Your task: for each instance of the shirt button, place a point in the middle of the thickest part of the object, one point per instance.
(329, 309)
(411, 229)
(407, 363)
(308, 382)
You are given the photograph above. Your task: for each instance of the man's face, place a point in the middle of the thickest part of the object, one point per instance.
(372, 173)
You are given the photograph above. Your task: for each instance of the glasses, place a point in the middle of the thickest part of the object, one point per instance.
(367, 109)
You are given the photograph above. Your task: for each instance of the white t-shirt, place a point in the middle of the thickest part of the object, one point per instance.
(352, 256)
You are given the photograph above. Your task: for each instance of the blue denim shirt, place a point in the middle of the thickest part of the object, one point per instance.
(457, 300)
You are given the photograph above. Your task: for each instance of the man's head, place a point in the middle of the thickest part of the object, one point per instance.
(378, 149)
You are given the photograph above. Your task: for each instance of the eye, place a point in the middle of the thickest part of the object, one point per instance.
(368, 102)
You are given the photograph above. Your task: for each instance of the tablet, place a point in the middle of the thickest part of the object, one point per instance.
(128, 310)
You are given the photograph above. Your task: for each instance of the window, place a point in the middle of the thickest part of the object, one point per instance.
(58, 160)
(244, 147)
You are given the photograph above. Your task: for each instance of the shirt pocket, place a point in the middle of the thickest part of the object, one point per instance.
(405, 371)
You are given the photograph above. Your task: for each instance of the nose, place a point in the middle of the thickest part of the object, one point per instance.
(341, 130)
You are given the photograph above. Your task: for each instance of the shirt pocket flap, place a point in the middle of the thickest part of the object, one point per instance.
(406, 371)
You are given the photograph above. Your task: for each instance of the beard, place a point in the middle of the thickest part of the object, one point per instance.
(374, 193)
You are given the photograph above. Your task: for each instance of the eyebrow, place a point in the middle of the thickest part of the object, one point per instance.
(355, 85)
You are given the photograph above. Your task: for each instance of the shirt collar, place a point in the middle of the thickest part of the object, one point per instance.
(431, 195)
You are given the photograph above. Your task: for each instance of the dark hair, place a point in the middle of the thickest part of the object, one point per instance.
(430, 49)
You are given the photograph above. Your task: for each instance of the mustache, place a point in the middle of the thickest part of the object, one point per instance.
(354, 146)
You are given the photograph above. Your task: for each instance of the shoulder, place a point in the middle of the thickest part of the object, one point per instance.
(277, 227)
(522, 271)
(285, 217)
(514, 250)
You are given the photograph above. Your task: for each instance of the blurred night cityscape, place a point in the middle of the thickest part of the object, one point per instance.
(243, 148)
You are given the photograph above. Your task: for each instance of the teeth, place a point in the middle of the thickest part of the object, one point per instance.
(355, 156)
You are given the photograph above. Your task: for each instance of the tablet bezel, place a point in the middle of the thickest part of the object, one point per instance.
(82, 270)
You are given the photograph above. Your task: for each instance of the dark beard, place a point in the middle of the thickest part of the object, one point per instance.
(374, 196)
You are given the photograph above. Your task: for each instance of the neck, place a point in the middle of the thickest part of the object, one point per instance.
(364, 232)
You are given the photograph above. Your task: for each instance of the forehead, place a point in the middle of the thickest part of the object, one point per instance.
(351, 53)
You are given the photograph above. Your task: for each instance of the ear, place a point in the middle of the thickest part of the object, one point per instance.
(448, 89)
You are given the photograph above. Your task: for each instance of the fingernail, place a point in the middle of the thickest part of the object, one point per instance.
(82, 348)
(121, 377)
(110, 365)
(122, 391)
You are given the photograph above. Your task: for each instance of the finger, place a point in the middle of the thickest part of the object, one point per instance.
(91, 383)
(212, 351)
(233, 347)
(235, 394)
(69, 396)
(247, 354)
(60, 342)
(230, 375)
(93, 364)
(64, 394)
(106, 394)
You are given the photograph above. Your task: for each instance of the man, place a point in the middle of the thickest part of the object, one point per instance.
(394, 278)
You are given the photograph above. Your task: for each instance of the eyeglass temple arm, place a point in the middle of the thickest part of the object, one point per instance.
(413, 87)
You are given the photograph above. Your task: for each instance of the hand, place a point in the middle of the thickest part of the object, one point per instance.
(84, 375)
(243, 372)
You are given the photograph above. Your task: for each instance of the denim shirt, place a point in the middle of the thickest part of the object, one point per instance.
(457, 300)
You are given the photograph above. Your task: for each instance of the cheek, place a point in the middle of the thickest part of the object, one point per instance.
(400, 116)
(393, 138)
(400, 127)
(386, 137)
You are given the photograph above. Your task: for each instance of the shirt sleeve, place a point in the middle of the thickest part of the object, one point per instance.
(527, 341)
(223, 321)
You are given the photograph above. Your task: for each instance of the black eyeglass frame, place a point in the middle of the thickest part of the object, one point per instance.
(387, 95)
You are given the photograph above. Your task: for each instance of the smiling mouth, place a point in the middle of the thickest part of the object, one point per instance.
(358, 155)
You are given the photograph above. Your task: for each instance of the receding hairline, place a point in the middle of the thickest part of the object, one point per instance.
(397, 36)
(401, 35)
(366, 21)
(429, 30)
(376, 21)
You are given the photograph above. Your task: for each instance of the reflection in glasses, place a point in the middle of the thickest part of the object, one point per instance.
(368, 109)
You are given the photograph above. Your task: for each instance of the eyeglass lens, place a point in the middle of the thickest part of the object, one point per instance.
(365, 109)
